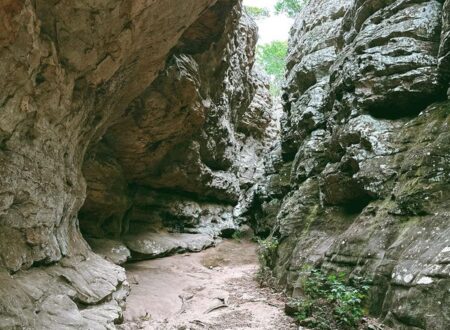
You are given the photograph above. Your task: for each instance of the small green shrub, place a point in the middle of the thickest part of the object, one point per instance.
(237, 235)
(267, 251)
(329, 301)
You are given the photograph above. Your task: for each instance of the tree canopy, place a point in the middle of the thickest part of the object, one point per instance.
(272, 58)
(257, 12)
(289, 7)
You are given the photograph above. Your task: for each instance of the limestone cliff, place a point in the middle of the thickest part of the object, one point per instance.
(139, 113)
(363, 173)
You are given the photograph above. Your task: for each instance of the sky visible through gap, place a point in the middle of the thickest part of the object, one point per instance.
(275, 27)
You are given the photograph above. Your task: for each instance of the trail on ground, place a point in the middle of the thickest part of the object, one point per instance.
(213, 289)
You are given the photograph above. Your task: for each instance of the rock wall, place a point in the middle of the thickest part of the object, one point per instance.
(139, 113)
(187, 148)
(145, 127)
(361, 181)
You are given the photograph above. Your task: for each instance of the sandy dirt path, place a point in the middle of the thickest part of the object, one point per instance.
(213, 289)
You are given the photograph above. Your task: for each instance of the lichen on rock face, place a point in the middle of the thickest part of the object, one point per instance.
(388, 65)
(365, 138)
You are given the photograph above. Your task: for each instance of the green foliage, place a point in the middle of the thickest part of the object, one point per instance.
(267, 251)
(272, 58)
(289, 7)
(237, 235)
(444, 111)
(329, 301)
(257, 12)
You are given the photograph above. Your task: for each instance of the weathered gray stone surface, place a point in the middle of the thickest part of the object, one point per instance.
(444, 47)
(114, 251)
(49, 298)
(365, 148)
(144, 127)
(144, 112)
(149, 245)
(63, 81)
(389, 62)
(191, 145)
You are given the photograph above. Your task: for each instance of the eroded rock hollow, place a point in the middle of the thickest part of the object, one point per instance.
(137, 129)
(124, 121)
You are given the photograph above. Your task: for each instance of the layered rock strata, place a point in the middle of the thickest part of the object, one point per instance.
(154, 104)
(144, 126)
(361, 181)
(187, 148)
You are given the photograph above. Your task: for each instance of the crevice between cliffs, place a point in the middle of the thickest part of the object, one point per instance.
(133, 130)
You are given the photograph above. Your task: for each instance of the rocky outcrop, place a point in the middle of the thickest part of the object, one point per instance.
(65, 66)
(80, 292)
(144, 127)
(187, 148)
(361, 180)
(141, 112)
(444, 48)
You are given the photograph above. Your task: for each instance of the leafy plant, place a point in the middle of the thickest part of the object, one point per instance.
(237, 235)
(329, 301)
(272, 58)
(257, 12)
(289, 7)
(267, 251)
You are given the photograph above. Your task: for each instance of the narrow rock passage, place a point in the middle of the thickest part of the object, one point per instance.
(213, 289)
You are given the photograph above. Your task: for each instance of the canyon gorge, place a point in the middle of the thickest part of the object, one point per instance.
(135, 130)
